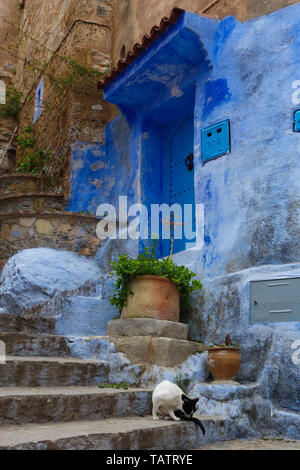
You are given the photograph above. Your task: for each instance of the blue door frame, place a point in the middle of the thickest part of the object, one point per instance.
(167, 173)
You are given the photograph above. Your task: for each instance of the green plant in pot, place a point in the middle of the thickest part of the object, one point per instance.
(224, 360)
(148, 287)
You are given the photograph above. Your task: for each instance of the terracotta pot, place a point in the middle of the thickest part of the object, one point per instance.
(224, 363)
(153, 297)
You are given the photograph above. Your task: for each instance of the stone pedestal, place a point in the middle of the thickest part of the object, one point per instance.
(149, 341)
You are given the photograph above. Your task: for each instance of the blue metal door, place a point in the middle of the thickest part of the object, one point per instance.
(181, 182)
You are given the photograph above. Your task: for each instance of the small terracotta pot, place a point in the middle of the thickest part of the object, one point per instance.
(153, 297)
(224, 363)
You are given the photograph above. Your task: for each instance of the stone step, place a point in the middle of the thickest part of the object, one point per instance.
(52, 371)
(147, 327)
(62, 346)
(31, 202)
(55, 404)
(26, 324)
(28, 344)
(165, 352)
(132, 433)
(16, 183)
(65, 317)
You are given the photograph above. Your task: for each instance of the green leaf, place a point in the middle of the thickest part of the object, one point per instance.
(146, 263)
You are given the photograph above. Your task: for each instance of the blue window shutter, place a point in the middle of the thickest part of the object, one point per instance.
(38, 105)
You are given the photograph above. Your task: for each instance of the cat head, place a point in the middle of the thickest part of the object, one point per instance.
(189, 405)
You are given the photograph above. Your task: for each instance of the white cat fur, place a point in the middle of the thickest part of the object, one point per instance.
(166, 398)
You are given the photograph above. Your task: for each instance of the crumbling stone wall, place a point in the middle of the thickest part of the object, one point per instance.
(53, 230)
(8, 34)
(53, 30)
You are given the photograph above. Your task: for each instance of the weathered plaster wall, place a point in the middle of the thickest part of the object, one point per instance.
(251, 196)
(267, 350)
(102, 172)
(81, 30)
(132, 19)
(8, 36)
(251, 203)
(50, 23)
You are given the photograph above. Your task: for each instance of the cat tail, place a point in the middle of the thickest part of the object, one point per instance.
(180, 414)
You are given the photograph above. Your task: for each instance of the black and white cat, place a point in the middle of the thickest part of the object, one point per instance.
(168, 400)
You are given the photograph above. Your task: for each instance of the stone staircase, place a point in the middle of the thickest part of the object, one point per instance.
(50, 399)
(32, 215)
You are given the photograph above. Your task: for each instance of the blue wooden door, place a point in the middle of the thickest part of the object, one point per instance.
(181, 180)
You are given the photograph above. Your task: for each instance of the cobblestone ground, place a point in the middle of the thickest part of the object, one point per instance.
(264, 444)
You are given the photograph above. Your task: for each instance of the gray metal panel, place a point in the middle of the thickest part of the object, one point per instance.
(275, 300)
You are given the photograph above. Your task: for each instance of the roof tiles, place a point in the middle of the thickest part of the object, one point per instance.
(139, 48)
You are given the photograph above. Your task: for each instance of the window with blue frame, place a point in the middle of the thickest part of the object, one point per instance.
(38, 105)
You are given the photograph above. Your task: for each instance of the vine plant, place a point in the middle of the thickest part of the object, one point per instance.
(31, 161)
(127, 268)
(49, 163)
(12, 106)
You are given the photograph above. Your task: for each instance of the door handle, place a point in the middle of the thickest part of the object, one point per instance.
(189, 161)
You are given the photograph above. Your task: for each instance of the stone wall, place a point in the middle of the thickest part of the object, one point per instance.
(132, 19)
(79, 30)
(16, 183)
(8, 59)
(64, 231)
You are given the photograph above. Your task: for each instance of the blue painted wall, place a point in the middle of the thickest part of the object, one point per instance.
(100, 172)
(252, 196)
(218, 70)
(242, 72)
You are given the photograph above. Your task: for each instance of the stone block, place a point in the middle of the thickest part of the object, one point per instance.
(147, 327)
(44, 227)
(166, 352)
(135, 432)
(5, 232)
(64, 228)
(52, 371)
(37, 276)
(63, 404)
(26, 221)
